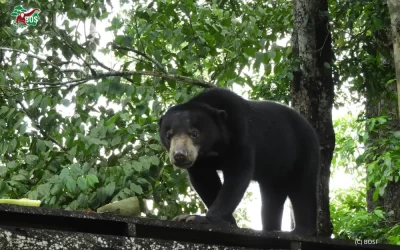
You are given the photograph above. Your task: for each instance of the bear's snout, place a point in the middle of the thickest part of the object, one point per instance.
(180, 156)
(182, 153)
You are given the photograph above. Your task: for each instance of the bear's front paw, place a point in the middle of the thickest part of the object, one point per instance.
(192, 218)
(198, 219)
(222, 222)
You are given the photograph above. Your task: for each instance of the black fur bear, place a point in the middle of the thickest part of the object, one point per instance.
(248, 140)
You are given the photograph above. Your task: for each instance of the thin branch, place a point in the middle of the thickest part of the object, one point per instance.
(109, 69)
(195, 42)
(154, 74)
(30, 55)
(121, 74)
(93, 57)
(75, 52)
(158, 64)
(36, 124)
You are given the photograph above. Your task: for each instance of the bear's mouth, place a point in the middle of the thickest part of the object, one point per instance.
(184, 165)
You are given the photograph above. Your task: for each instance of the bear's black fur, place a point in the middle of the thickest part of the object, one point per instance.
(248, 140)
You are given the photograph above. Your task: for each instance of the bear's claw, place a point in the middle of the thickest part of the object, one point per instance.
(192, 218)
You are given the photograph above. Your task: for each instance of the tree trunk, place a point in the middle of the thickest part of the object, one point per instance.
(312, 89)
(394, 10)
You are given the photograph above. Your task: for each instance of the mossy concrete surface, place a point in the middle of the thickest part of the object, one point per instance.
(39, 239)
(44, 228)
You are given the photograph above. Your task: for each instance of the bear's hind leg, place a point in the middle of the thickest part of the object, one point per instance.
(304, 202)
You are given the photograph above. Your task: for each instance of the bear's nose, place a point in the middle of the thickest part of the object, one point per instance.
(180, 156)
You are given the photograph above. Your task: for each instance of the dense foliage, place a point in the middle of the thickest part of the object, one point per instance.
(349, 206)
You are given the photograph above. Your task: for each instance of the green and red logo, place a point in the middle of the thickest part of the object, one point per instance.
(25, 18)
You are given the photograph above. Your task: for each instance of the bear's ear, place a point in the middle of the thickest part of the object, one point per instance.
(160, 121)
(221, 114)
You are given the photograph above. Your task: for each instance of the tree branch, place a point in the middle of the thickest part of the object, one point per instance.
(36, 124)
(108, 68)
(129, 73)
(31, 55)
(92, 71)
(159, 66)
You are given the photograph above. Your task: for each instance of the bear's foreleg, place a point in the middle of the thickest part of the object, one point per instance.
(207, 184)
(238, 172)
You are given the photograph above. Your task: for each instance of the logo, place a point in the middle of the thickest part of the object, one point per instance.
(25, 18)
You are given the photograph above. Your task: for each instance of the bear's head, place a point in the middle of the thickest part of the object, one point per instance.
(190, 130)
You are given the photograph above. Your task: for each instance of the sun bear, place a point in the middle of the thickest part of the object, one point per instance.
(247, 140)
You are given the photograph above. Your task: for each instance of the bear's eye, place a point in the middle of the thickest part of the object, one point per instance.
(194, 134)
(169, 136)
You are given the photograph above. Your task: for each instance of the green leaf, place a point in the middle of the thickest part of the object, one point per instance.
(97, 141)
(116, 23)
(116, 140)
(259, 60)
(112, 120)
(44, 190)
(3, 171)
(83, 201)
(271, 54)
(2, 79)
(10, 113)
(91, 180)
(65, 102)
(37, 101)
(75, 170)
(155, 147)
(154, 160)
(52, 201)
(4, 188)
(33, 195)
(110, 188)
(4, 109)
(3, 148)
(377, 23)
(136, 188)
(127, 169)
(12, 164)
(56, 189)
(45, 103)
(31, 159)
(72, 152)
(388, 160)
(390, 81)
(101, 195)
(18, 177)
(137, 166)
(249, 51)
(41, 145)
(64, 173)
(71, 184)
(12, 146)
(132, 128)
(376, 195)
(82, 183)
(142, 181)
(22, 128)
